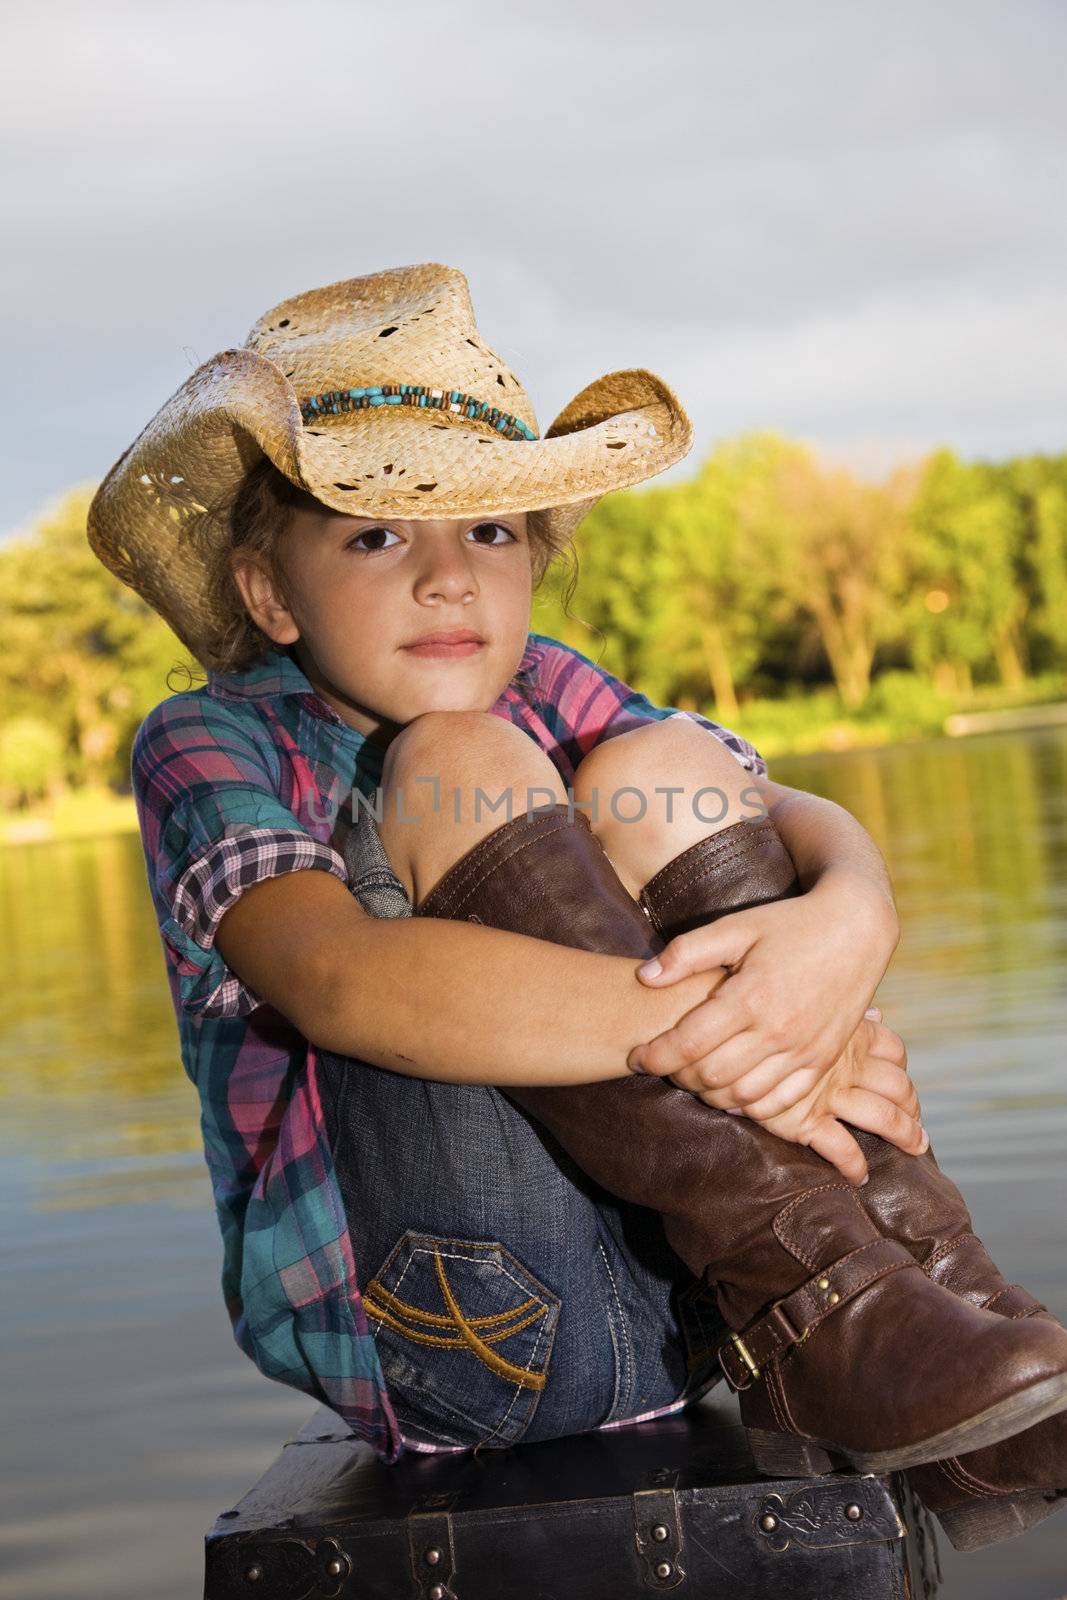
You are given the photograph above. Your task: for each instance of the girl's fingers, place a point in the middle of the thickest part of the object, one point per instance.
(836, 1145)
(875, 1114)
(718, 1099)
(780, 1096)
(709, 1026)
(729, 1061)
(769, 1074)
(722, 944)
(880, 1077)
(891, 1082)
(886, 1044)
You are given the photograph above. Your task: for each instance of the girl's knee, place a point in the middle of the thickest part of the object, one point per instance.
(457, 775)
(653, 791)
(660, 768)
(468, 748)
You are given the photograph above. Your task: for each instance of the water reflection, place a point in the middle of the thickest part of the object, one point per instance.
(99, 1126)
(89, 1070)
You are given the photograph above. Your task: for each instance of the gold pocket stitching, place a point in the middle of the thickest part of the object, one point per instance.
(381, 1311)
(435, 1318)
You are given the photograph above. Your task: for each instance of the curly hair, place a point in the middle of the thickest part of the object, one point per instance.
(259, 517)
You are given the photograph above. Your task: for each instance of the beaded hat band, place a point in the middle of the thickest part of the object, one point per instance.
(379, 397)
(414, 394)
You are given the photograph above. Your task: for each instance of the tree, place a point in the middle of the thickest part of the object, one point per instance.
(841, 560)
(81, 651)
(1039, 484)
(614, 547)
(718, 560)
(969, 601)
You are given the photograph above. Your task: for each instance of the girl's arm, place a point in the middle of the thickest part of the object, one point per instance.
(438, 999)
(458, 1002)
(835, 857)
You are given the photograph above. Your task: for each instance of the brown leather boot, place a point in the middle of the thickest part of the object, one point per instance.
(1007, 1488)
(842, 1344)
(990, 1494)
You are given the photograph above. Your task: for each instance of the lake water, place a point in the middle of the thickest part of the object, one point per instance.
(130, 1417)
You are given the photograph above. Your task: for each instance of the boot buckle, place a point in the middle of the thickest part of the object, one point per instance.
(776, 1332)
(750, 1366)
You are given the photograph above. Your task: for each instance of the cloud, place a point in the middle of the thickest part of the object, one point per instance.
(837, 220)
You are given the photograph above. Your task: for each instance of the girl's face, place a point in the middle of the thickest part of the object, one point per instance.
(358, 593)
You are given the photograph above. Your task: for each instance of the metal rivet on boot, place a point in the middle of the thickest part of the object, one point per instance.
(335, 1567)
(664, 1569)
(824, 1283)
(768, 1522)
(437, 1592)
(834, 1298)
(433, 1556)
(253, 1574)
(660, 1532)
(853, 1513)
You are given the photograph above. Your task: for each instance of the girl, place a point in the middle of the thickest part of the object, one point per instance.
(469, 1093)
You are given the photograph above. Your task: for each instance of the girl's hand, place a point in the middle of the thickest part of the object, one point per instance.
(867, 1086)
(801, 973)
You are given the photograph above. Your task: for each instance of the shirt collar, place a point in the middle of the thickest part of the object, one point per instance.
(275, 675)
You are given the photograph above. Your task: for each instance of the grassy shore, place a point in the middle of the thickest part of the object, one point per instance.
(901, 708)
(79, 814)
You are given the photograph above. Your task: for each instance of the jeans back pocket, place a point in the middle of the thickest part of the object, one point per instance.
(464, 1332)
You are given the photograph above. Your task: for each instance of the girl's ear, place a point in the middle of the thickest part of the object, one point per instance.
(264, 600)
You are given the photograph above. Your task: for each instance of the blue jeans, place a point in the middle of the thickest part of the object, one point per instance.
(510, 1296)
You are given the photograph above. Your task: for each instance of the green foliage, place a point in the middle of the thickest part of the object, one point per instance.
(767, 574)
(82, 653)
(1042, 486)
(967, 604)
(31, 756)
(717, 565)
(607, 618)
(906, 699)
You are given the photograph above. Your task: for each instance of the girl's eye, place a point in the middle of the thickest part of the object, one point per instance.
(499, 525)
(371, 533)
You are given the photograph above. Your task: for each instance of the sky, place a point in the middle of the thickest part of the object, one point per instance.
(844, 221)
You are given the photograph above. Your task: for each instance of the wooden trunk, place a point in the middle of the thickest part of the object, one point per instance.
(673, 1506)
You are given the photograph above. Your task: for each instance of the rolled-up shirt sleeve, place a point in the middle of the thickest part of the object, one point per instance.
(212, 824)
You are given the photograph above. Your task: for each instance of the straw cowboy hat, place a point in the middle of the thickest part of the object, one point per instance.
(379, 397)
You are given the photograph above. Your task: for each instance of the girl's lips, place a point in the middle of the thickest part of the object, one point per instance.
(441, 649)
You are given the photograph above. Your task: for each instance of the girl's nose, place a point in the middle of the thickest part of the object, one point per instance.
(447, 573)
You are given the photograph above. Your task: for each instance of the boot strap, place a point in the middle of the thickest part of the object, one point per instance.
(1014, 1301)
(742, 865)
(791, 1319)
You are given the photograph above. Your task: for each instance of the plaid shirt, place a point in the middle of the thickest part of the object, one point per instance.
(238, 781)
